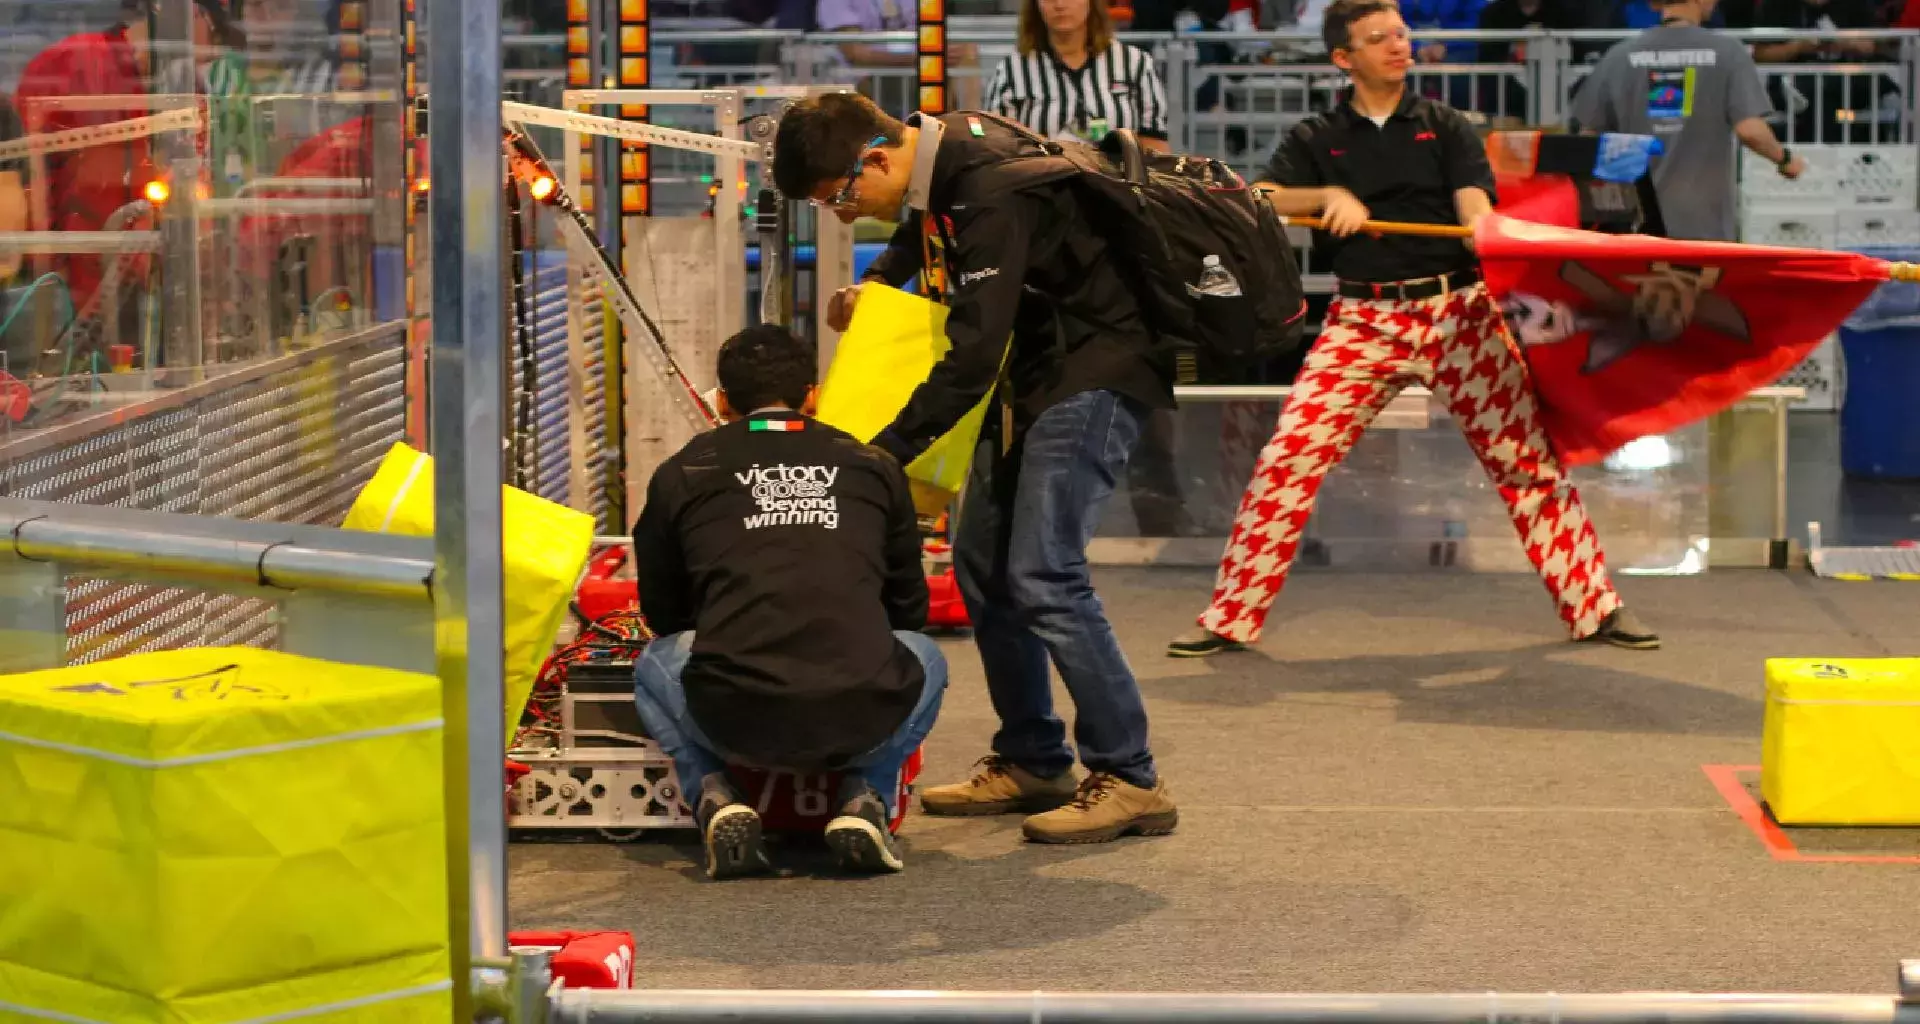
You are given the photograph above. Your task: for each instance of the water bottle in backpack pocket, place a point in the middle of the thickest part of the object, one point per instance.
(1221, 282)
(1220, 310)
(1215, 280)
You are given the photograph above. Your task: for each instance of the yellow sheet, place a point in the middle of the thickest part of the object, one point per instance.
(546, 551)
(888, 351)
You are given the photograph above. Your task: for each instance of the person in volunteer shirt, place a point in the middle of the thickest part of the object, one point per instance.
(1071, 77)
(779, 564)
(1030, 282)
(1697, 91)
(84, 187)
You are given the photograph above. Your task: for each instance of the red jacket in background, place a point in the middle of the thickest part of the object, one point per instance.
(83, 187)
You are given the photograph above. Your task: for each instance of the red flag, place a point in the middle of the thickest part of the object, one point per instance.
(1540, 199)
(1630, 335)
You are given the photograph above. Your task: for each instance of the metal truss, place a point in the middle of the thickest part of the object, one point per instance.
(631, 131)
(100, 134)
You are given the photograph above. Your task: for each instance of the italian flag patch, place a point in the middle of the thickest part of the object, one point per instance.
(787, 426)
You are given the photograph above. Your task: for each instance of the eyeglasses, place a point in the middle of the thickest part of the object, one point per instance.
(1375, 38)
(849, 191)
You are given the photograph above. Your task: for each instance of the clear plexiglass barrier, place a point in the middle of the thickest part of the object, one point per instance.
(1411, 494)
(186, 195)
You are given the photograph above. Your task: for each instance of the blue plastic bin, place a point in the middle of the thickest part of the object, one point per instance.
(1880, 342)
(1880, 419)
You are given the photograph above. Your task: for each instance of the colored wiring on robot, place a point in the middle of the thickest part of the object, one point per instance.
(616, 636)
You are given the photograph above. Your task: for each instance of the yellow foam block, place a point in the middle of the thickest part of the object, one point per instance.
(545, 550)
(888, 351)
(1842, 741)
(221, 835)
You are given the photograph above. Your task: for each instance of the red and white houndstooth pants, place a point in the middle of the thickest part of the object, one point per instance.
(1368, 351)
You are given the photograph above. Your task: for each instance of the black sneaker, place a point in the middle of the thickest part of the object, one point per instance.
(731, 831)
(1622, 629)
(1201, 642)
(860, 837)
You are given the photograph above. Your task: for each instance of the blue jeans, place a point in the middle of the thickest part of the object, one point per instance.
(663, 710)
(1020, 555)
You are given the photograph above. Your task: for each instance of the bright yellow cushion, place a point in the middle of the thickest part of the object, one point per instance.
(1842, 741)
(218, 835)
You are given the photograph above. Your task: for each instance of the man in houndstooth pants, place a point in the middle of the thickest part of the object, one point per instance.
(1408, 310)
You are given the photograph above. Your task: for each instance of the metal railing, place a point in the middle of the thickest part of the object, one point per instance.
(1234, 95)
(1237, 80)
(521, 990)
(361, 598)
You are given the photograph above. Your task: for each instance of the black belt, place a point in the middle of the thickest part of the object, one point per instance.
(1417, 288)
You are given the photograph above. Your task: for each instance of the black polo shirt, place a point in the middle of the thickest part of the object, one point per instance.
(1404, 170)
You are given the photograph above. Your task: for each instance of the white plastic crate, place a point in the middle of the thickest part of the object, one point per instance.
(1761, 185)
(1823, 374)
(1868, 228)
(1800, 228)
(1879, 177)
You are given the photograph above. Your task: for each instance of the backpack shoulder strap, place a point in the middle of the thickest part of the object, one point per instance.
(1019, 174)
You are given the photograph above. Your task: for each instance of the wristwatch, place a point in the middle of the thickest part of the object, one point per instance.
(1786, 157)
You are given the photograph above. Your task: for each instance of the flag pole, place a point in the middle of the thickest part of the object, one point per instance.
(1391, 227)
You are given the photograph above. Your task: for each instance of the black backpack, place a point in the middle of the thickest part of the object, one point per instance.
(1172, 212)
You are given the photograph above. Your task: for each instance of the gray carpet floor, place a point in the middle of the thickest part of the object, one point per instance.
(1414, 784)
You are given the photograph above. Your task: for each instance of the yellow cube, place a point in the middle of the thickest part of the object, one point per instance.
(1842, 741)
(221, 835)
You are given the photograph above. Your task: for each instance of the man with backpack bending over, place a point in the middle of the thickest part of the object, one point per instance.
(1083, 371)
(1407, 310)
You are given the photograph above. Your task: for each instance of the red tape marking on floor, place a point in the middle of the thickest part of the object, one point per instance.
(1726, 779)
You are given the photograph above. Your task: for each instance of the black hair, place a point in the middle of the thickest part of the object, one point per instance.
(1336, 24)
(765, 365)
(226, 31)
(821, 137)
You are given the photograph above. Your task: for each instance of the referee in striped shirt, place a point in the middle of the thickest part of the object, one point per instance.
(1073, 78)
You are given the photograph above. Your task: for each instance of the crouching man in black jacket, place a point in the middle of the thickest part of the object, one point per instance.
(1026, 262)
(779, 562)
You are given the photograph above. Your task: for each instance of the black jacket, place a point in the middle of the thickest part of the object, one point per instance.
(793, 555)
(1032, 264)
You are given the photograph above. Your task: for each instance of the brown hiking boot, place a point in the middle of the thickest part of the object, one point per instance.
(1104, 809)
(999, 788)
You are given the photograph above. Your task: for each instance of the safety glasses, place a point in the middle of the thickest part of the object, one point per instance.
(849, 191)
